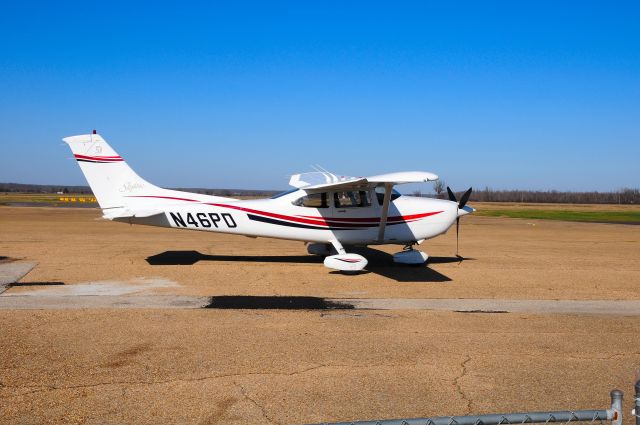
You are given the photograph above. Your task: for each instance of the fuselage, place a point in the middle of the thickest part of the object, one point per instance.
(352, 217)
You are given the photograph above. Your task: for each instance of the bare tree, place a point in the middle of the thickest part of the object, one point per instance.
(438, 187)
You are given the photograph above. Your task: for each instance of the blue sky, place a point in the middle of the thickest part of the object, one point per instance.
(532, 95)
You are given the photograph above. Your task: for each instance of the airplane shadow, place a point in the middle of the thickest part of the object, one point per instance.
(48, 283)
(445, 260)
(275, 302)
(188, 258)
(380, 263)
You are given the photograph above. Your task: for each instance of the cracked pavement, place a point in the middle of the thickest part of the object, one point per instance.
(287, 367)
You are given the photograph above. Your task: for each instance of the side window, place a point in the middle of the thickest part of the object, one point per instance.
(352, 199)
(313, 200)
(380, 194)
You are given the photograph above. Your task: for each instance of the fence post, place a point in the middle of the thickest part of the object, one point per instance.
(636, 411)
(616, 407)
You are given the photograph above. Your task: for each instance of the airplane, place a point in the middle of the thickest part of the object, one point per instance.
(324, 210)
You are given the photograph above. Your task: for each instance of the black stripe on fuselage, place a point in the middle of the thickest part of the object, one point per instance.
(306, 226)
(289, 224)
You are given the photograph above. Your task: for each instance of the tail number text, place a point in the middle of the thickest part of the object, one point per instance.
(204, 220)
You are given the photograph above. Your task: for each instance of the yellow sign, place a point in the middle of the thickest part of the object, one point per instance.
(77, 199)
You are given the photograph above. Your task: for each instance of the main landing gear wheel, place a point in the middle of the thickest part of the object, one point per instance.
(410, 256)
(344, 261)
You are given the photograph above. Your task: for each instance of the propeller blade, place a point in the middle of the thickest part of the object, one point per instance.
(457, 234)
(465, 198)
(452, 196)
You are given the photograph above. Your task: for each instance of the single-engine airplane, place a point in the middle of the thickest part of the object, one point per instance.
(324, 210)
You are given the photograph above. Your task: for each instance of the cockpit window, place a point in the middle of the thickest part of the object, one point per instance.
(380, 194)
(352, 199)
(313, 200)
(278, 195)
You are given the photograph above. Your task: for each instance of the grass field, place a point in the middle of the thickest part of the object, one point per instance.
(594, 217)
(626, 214)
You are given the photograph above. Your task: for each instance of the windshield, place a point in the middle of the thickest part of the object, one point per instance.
(313, 200)
(380, 194)
(283, 193)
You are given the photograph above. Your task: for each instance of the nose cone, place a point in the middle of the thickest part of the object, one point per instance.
(465, 210)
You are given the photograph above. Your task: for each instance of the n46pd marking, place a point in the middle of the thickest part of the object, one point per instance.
(205, 220)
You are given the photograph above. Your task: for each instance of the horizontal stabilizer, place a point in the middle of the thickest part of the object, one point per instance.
(115, 213)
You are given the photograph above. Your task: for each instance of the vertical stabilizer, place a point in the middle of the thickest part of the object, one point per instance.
(106, 172)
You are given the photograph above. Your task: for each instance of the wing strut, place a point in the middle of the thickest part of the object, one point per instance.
(385, 211)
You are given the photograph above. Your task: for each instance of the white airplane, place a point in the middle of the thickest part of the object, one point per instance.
(324, 210)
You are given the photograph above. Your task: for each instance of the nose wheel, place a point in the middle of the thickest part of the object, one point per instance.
(410, 256)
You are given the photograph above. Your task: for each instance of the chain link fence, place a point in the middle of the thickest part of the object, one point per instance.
(636, 411)
(612, 415)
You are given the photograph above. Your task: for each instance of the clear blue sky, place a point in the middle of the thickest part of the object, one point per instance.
(533, 95)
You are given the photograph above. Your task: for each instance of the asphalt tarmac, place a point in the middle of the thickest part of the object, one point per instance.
(122, 324)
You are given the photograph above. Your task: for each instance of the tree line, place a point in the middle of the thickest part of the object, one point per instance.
(86, 190)
(43, 188)
(620, 196)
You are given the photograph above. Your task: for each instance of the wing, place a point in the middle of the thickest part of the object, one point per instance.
(403, 177)
(319, 181)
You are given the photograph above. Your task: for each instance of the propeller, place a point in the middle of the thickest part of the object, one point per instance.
(461, 204)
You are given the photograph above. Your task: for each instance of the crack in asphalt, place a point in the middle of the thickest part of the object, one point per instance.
(41, 388)
(456, 382)
(244, 393)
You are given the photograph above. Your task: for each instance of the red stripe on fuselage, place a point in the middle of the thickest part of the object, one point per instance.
(164, 197)
(375, 220)
(318, 221)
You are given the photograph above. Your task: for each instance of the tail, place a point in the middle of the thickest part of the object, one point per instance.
(113, 182)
